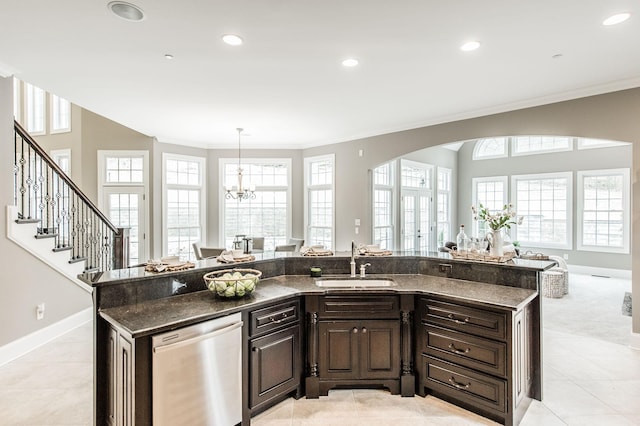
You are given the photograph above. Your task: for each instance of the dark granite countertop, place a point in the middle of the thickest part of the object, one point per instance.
(134, 274)
(164, 314)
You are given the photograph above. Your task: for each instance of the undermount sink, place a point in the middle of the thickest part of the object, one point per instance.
(354, 283)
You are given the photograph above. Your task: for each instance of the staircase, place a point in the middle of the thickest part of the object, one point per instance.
(55, 221)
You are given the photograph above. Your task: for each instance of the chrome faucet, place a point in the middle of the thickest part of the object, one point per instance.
(353, 259)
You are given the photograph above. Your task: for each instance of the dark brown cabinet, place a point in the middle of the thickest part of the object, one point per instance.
(353, 350)
(477, 357)
(275, 354)
(353, 340)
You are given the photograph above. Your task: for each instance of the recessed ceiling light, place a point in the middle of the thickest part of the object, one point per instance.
(350, 62)
(470, 45)
(126, 11)
(168, 56)
(616, 19)
(232, 39)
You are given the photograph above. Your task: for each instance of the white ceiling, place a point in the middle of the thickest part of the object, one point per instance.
(286, 85)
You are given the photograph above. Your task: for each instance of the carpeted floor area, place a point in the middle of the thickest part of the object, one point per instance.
(593, 308)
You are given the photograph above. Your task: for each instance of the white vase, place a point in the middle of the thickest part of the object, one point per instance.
(496, 242)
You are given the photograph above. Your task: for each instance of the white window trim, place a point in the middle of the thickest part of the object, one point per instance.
(478, 143)
(307, 187)
(515, 153)
(568, 245)
(52, 120)
(102, 183)
(203, 193)
(222, 162)
(474, 194)
(625, 209)
(393, 165)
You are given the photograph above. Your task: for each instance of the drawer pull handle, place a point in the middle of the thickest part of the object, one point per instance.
(278, 321)
(458, 385)
(458, 351)
(457, 321)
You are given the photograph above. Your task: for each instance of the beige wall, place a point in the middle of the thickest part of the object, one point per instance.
(26, 282)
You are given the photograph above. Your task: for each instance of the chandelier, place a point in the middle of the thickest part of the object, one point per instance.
(240, 192)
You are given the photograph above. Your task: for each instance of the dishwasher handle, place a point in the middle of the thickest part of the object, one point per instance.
(196, 339)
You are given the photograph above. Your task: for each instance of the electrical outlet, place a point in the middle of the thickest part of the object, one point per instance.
(357, 230)
(40, 311)
(566, 256)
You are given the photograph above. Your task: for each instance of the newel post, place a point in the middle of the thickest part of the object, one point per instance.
(121, 249)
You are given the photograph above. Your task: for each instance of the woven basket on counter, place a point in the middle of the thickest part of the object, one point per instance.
(229, 283)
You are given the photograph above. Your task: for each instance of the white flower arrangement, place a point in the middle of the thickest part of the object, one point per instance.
(500, 219)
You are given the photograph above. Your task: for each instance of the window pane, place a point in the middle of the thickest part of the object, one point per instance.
(490, 148)
(603, 212)
(544, 204)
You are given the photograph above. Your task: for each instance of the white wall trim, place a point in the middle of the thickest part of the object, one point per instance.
(27, 343)
(606, 272)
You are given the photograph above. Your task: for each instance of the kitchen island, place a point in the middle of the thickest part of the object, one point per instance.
(133, 305)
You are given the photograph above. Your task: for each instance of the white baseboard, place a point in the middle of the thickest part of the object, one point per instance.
(634, 341)
(26, 344)
(604, 272)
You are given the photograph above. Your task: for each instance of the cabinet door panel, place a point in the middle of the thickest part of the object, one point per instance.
(338, 357)
(274, 364)
(379, 349)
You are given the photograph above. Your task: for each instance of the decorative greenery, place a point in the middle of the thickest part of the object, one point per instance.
(500, 219)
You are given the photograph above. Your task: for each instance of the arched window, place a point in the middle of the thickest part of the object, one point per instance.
(490, 148)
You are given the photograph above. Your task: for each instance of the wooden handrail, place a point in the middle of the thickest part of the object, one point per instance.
(42, 153)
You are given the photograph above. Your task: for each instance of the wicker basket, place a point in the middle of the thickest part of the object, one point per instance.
(553, 284)
(239, 282)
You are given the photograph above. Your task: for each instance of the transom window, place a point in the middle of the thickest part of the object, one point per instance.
(320, 200)
(130, 169)
(415, 176)
(490, 148)
(585, 143)
(545, 201)
(603, 210)
(526, 145)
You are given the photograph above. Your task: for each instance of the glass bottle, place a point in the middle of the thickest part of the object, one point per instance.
(462, 241)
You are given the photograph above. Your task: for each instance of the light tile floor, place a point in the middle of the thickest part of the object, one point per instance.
(590, 377)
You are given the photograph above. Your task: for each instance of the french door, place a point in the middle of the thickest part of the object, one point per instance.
(416, 219)
(124, 206)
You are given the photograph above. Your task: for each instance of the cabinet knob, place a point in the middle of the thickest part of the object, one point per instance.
(255, 349)
(355, 330)
(364, 329)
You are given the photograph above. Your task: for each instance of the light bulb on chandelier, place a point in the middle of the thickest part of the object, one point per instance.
(239, 192)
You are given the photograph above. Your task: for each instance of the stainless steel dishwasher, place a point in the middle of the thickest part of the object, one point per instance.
(197, 374)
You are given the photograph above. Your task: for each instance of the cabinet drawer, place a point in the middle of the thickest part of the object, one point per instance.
(470, 320)
(471, 351)
(273, 317)
(465, 385)
(359, 307)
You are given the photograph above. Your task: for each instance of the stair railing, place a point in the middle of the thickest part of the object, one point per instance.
(44, 194)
